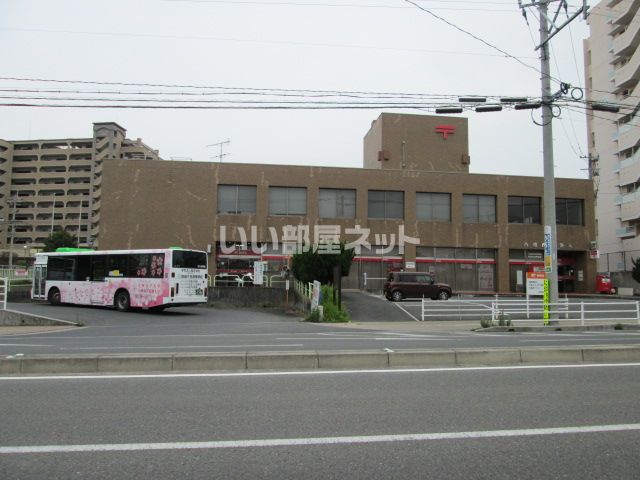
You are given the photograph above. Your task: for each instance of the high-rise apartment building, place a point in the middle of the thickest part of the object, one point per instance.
(612, 67)
(50, 185)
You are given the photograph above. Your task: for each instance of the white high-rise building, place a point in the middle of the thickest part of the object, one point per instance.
(612, 67)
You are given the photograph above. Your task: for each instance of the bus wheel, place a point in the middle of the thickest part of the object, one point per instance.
(54, 296)
(122, 301)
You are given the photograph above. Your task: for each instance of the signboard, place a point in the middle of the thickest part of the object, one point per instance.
(535, 283)
(594, 254)
(20, 272)
(547, 249)
(410, 265)
(315, 296)
(545, 303)
(258, 273)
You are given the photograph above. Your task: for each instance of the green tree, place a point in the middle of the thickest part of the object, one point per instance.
(59, 239)
(635, 273)
(315, 264)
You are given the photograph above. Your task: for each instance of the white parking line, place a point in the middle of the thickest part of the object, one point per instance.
(397, 305)
(296, 442)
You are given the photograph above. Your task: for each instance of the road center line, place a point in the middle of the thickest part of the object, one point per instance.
(294, 442)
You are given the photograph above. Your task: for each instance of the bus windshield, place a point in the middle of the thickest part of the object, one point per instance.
(189, 259)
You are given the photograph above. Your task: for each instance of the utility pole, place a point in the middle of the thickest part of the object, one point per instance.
(548, 30)
(13, 202)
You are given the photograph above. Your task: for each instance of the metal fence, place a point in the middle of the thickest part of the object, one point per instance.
(4, 290)
(532, 311)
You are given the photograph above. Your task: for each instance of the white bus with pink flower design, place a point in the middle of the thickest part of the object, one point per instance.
(149, 279)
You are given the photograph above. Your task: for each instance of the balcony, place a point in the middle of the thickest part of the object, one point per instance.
(626, 17)
(630, 170)
(629, 136)
(626, 43)
(626, 232)
(627, 75)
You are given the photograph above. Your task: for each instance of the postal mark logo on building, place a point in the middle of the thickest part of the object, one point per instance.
(445, 130)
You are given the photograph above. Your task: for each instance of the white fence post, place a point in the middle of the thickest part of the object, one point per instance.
(4, 289)
(582, 313)
(638, 312)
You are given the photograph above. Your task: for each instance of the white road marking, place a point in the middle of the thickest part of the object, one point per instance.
(385, 371)
(22, 345)
(185, 346)
(412, 316)
(295, 442)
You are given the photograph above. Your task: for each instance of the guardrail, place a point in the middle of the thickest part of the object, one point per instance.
(509, 311)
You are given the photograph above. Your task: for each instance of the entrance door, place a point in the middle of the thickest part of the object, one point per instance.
(39, 279)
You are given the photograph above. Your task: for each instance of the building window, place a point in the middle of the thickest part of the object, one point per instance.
(569, 211)
(287, 201)
(236, 199)
(524, 210)
(479, 208)
(435, 207)
(336, 203)
(386, 204)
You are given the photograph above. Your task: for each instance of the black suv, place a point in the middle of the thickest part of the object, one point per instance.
(401, 285)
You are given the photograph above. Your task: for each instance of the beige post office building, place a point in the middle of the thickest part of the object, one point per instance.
(413, 205)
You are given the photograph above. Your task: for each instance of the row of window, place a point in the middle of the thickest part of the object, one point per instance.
(388, 204)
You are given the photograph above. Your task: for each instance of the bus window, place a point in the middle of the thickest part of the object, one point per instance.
(83, 268)
(98, 268)
(117, 265)
(189, 259)
(61, 268)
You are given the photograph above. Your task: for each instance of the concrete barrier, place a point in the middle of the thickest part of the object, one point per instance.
(9, 366)
(59, 364)
(135, 363)
(551, 355)
(282, 360)
(422, 358)
(493, 356)
(310, 360)
(209, 361)
(611, 353)
(353, 359)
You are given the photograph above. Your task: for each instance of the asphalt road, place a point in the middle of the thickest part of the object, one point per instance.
(525, 423)
(204, 329)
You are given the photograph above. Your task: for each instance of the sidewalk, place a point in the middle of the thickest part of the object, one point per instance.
(25, 330)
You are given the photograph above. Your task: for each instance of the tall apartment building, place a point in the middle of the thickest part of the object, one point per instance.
(50, 185)
(612, 67)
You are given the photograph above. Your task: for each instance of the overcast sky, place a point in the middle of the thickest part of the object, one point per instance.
(328, 45)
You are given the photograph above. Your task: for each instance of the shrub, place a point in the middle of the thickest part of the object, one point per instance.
(485, 322)
(618, 326)
(330, 311)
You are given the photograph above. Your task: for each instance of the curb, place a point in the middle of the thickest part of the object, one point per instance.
(555, 328)
(310, 360)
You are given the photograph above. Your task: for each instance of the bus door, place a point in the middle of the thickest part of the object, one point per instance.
(39, 278)
(98, 280)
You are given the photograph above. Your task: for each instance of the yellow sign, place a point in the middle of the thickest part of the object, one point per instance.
(545, 302)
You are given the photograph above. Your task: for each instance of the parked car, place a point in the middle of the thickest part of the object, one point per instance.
(401, 285)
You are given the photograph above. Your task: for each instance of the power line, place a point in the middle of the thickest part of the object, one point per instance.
(246, 90)
(244, 40)
(466, 32)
